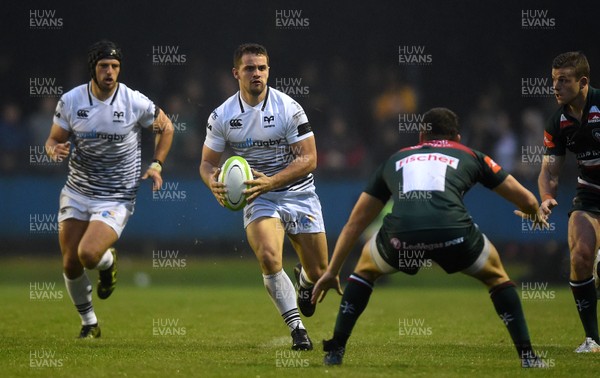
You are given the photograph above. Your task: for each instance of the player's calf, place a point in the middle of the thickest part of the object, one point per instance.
(107, 278)
(304, 287)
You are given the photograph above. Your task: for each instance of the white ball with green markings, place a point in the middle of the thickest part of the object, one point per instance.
(233, 173)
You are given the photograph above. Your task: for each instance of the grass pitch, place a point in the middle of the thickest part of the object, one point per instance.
(213, 318)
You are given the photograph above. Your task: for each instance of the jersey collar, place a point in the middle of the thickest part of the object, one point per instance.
(262, 108)
(89, 91)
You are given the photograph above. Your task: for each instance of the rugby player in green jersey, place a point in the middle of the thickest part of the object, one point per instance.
(428, 222)
(576, 126)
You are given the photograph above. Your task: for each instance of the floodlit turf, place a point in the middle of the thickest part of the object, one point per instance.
(213, 318)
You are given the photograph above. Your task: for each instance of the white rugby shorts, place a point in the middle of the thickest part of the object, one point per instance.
(114, 213)
(300, 213)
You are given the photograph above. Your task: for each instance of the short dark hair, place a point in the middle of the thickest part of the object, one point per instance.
(443, 124)
(248, 48)
(573, 59)
(102, 50)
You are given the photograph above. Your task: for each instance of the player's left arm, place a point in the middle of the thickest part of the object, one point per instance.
(512, 190)
(304, 162)
(163, 128)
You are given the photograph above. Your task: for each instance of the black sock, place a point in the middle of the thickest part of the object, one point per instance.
(584, 293)
(508, 306)
(354, 301)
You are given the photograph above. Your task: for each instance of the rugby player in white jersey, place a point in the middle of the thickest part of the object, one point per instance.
(103, 120)
(271, 131)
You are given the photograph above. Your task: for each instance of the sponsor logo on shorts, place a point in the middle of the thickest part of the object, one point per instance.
(108, 214)
(402, 245)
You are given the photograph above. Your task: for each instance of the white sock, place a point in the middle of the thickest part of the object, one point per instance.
(80, 291)
(282, 292)
(106, 261)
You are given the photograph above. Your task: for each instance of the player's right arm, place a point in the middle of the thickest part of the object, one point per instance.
(548, 181)
(365, 211)
(213, 148)
(57, 144)
(552, 163)
(209, 172)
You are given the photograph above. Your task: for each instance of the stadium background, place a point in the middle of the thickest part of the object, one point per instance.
(347, 63)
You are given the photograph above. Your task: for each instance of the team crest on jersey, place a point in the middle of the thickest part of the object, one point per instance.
(82, 113)
(59, 107)
(119, 116)
(548, 140)
(564, 122)
(594, 115)
(268, 121)
(235, 124)
(492, 164)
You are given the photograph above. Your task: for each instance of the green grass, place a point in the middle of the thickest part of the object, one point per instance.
(226, 326)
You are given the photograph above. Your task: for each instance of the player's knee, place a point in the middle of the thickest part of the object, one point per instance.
(270, 261)
(495, 281)
(368, 274)
(314, 272)
(72, 266)
(491, 276)
(582, 259)
(88, 256)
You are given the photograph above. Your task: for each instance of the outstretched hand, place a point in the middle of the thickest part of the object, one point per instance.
(540, 219)
(327, 281)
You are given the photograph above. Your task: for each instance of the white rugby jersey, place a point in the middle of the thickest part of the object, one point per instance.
(261, 134)
(105, 162)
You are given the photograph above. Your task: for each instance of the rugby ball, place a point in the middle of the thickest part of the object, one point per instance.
(233, 173)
